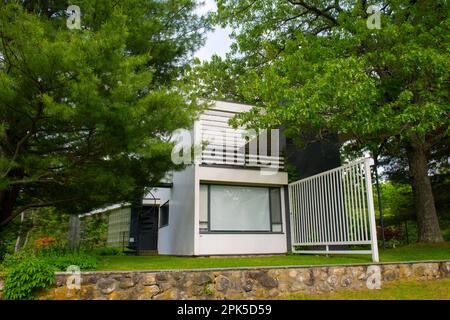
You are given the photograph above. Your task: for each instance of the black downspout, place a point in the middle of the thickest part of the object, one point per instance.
(288, 219)
(137, 206)
(138, 230)
(287, 215)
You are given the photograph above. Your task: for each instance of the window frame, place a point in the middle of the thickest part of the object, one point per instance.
(161, 225)
(270, 231)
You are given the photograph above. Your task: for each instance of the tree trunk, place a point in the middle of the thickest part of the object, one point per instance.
(19, 236)
(7, 202)
(427, 220)
(8, 196)
(74, 231)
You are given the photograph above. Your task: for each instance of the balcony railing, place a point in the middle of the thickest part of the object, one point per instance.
(226, 146)
(334, 208)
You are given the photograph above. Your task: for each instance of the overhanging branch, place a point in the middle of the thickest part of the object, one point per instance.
(319, 12)
(34, 205)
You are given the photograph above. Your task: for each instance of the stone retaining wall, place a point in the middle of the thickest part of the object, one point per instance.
(240, 283)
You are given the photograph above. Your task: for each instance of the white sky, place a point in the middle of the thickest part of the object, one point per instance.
(218, 41)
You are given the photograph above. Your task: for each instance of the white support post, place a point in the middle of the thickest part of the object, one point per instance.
(291, 220)
(198, 157)
(373, 228)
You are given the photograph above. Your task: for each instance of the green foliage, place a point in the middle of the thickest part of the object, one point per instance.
(83, 260)
(37, 224)
(62, 257)
(399, 216)
(208, 289)
(108, 251)
(3, 250)
(27, 271)
(293, 174)
(8, 237)
(27, 277)
(94, 231)
(43, 223)
(315, 68)
(85, 114)
(445, 225)
(52, 223)
(397, 201)
(48, 222)
(441, 185)
(7, 240)
(219, 79)
(57, 257)
(310, 67)
(13, 259)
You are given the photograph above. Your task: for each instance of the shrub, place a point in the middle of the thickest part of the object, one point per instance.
(27, 272)
(3, 250)
(83, 260)
(54, 251)
(393, 233)
(94, 231)
(45, 242)
(13, 259)
(108, 251)
(60, 258)
(27, 277)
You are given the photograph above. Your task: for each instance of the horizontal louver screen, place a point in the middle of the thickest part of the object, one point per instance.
(227, 146)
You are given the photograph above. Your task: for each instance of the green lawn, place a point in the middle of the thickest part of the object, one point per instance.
(405, 290)
(408, 253)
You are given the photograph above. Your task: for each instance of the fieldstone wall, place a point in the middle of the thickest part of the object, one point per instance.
(242, 283)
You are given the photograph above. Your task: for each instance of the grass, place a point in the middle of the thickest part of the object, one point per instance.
(395, 290)
(407, 253)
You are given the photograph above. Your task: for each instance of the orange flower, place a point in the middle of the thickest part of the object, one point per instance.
(44, 242)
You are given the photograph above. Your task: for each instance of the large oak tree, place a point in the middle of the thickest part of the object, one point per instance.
(316, 66)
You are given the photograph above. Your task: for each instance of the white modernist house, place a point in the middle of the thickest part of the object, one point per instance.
(233, 198)
(231, 201)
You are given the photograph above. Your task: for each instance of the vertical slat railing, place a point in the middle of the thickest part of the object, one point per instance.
(334, 208)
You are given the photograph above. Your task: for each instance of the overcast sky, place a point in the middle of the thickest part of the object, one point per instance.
(217, 41)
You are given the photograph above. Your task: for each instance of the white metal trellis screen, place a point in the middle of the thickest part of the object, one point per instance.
(334, 208)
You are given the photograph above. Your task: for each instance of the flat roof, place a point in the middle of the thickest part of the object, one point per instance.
(221, 105)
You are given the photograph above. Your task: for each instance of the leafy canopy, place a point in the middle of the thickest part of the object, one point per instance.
(316, 66)
(85, 115)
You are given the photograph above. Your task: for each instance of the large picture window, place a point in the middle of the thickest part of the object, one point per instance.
(239, 209)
